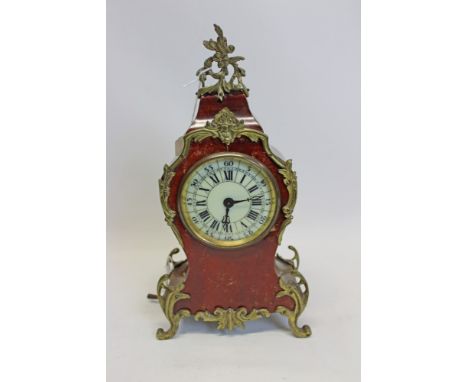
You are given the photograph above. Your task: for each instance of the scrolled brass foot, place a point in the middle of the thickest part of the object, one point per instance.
(162, 334)
(300, 332)
(294, 285)
(168, 296)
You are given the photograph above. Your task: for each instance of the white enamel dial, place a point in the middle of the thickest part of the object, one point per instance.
(228, 200)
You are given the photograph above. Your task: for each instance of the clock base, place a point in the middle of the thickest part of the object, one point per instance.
(291, 282)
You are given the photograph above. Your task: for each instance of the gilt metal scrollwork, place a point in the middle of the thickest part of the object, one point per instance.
(222, 50)
(231, 318)
(295, 286)
(168, 296)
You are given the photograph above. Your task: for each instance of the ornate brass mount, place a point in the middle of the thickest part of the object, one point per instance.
(170, 290)
(231, 318)
(224, 62)
(294, 285)
(226, 127)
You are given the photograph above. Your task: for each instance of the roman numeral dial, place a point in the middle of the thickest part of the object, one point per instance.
(228, 200)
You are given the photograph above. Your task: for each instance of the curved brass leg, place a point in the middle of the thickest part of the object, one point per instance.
(300, 301)
(294, 285)
(168, 296)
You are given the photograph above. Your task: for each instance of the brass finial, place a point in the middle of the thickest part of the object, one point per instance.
(221, 57)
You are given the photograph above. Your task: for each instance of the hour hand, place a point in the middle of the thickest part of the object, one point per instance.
(226, 219)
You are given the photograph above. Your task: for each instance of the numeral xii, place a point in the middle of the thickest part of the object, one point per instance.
(228, 174)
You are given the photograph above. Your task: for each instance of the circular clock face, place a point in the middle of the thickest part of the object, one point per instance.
(228, 200)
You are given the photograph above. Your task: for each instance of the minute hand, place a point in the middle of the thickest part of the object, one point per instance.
(239, 201)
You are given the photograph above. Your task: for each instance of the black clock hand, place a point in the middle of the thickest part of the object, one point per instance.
(226, 219)
(239, 201)
(228, 203)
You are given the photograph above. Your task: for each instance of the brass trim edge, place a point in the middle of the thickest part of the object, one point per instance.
(164, 188)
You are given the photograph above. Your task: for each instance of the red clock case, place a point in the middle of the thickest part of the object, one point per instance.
(229, 278)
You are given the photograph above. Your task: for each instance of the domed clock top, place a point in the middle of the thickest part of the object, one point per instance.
(228, 199)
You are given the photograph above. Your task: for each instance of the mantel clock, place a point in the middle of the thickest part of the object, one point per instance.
(228, 198)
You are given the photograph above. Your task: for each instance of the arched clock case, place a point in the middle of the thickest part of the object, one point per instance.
(228, 198)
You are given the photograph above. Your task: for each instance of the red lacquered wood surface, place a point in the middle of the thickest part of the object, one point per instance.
(229, 278)
(236, 102)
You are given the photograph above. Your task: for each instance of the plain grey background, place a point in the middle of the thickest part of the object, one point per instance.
(303, 71)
